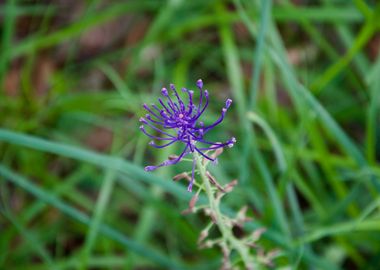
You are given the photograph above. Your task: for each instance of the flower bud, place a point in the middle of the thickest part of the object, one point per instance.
(150, 168)
(200, 84)
(164, 92)
(228, 103)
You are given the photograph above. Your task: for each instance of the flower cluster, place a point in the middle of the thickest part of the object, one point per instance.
(178, 121)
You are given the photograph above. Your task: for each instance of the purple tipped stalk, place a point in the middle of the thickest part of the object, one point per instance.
(164, 92)
(178, 121)
(200, 84)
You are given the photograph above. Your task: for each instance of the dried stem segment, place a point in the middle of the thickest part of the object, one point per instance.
(229, 240)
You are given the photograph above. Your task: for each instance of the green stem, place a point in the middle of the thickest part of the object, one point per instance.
(228, 238)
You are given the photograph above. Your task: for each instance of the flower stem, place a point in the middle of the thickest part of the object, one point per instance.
(228, 238)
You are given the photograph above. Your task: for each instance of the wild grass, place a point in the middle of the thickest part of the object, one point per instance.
(306, 88)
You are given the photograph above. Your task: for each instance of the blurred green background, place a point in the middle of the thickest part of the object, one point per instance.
(305, 80)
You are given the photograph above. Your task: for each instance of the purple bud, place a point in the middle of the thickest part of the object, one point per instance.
(164, 92)
(206, 93)
(172, 86)
(147, 116)
(150, 168)
(145, 106)
(151, 143)
(142, 120)
(190, 187)
(184, 89)
(200, 84)
(141, 127)
(231, 142)
(228, 103)
(224, 110)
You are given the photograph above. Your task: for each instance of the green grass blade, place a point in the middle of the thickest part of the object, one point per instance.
(82, 218)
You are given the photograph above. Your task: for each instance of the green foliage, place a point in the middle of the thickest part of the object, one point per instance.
(306, 89)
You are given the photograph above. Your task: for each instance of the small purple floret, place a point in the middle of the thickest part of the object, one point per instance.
(150, 168)
(142, 120)
(228, 103)
(200, 84)
(164, 92)
(178, 121)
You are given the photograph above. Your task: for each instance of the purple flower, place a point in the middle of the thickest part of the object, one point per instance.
(178, 121)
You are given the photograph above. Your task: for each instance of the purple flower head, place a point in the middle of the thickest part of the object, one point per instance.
(178, 121)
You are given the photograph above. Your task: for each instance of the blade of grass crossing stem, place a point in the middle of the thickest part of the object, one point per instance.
(82, 218)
